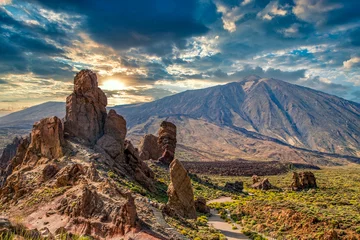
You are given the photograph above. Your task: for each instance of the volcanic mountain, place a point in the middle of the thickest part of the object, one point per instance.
(255, 118)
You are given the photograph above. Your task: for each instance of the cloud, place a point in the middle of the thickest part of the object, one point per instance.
(352, 62)
(327, 12)
(313, 11)
(125, 24)
(271, 10)
(290, 76)
(229, 16)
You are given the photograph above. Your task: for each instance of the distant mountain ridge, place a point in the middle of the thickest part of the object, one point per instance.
(255, 119)
(296, 115)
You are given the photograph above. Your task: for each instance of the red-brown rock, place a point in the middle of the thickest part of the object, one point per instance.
(47, 140)
(303, 180)
(149, 148)
(86, 108)
(9, 152)
(167, 141)
(115, 126)
(263, 184)
(16, 161)
(200, 205)
(180, 192)
(96, 214)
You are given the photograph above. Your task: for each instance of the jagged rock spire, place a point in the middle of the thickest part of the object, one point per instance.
(86, 108)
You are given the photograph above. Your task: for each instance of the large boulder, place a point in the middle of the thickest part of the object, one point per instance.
(200, 205)
(47, 140)
(149, 148)
(263, 184)
(236, 186)
(303, 180)
(180, 192)
(167, 142)
(86, 108)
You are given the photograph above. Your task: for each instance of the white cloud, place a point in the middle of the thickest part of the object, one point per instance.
(5, 2)
(271, 10)
(229, 16)
(246, 2)
(312, 11)
(352, 62)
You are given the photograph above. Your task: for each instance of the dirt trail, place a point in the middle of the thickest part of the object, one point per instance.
(217, 222)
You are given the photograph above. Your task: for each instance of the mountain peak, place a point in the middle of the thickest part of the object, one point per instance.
(251, 78)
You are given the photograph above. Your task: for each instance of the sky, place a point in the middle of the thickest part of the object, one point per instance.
(146, 49)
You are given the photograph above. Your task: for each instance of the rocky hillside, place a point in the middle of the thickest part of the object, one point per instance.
(295, 115)
(74, 177)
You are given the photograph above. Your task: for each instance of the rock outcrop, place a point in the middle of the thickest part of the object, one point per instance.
(234, 187)
(303, 180)
(115, 126)
(167, 142)
(59, 175)
(255, 179)
(149, 148)
(96, 214)
(86, 108)
(200, 205)
(15, 161)
(263, 184)
(47, 140)
(180, 192)
(134, 165)
(9, 152)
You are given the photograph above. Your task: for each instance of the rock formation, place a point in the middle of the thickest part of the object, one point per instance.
(200, 205)
(303, 180)
(255, 179)
(9, 152)
(92, 212)
(60, 176)
(15, 161)
(263, 184)
(180, 192)
(234, 187)
(149, 148)
(86, 108)
(167, 141)
(47, 139)
(115, 126)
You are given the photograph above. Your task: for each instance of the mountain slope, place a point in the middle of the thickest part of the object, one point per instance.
(296, 115)
(32, 114)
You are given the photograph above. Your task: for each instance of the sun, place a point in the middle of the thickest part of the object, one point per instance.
(112, 84)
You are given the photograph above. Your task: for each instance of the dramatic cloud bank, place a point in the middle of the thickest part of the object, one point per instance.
(144, 50)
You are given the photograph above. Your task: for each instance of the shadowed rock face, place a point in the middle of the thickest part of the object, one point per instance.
(200, 205)
(115, 126)
(15, 161)
(180, 192)
(167, 141)
(9, 152)
(86, 108)
(303, 180)
(149, 148)
(47, 138)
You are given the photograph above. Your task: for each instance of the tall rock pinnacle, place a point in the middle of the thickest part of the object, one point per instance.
(86, 108)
